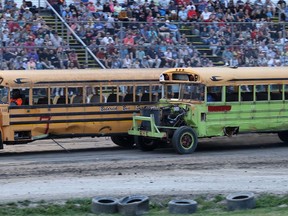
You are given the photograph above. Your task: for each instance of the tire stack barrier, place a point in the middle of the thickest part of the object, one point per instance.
(133, 205)
(184, 206)
(136, 205)
(105, 205)
(240, 201)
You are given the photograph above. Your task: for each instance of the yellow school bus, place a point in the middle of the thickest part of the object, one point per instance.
(49, 104)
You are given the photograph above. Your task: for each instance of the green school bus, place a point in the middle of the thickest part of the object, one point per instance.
(209, 102)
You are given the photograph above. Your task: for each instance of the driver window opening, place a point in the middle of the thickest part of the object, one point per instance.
(19, 97)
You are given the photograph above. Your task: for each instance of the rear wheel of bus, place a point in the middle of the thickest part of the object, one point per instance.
(123, 141)
(145, 144)
(283, 136)
(184, 140)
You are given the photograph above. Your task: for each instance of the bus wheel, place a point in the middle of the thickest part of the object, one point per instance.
(123, 141)
(145, 144)
(283, 136)
(184, 140)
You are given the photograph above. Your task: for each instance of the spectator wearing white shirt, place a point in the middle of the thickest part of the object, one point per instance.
(271, 62)
(164, 4)
(27, 15)
(117, 9)
(55, 39)
(110, 24)
(39, 41)
(127, 62)
(107, 39)
(168, 57)
(205, 15)
(183, 14)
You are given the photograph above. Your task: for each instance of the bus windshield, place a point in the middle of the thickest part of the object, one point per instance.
(193, 91)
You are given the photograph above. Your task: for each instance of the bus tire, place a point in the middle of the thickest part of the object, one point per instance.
(283, 136)
(105, 205)
(184, 140)
(123, 141)
(145, 144)
(240, 201)
(133, 205)
(182, 206)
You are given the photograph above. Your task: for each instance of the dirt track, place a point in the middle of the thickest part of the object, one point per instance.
(43, 171)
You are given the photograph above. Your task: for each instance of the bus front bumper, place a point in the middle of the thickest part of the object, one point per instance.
(138, 130)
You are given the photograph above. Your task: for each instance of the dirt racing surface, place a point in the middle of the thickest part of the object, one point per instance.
(96, 167)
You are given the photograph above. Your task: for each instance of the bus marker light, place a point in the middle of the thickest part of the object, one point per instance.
(219, 108)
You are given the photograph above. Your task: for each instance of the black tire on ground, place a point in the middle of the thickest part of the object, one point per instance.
(185, 140)
(240, 201)
(184, 206)
(283, 136)
(123, 141)
(105, 205)
(145, 144)
(133, 205)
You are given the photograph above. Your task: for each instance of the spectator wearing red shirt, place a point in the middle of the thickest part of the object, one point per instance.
(16, 98)
(91, 7)
(254, 34)
(12, 26)
(29, 45)
(129, 40)
(192, 15)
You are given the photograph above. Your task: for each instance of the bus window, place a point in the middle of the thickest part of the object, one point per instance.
(58, 95)
(143, 92)
(114, 94)
(156, 92)
(232, 93)
(247, 92)
(40, 96)
(141, 89)
(275, 92)
(4, 95)
(214, 94)
(261, 92)
(172, 91)
(96, 94)
(129, 96)
(286, 92)
(76, 95)
(192, 92)
(17, 98)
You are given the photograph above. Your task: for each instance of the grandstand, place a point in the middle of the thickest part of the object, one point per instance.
(212, 35)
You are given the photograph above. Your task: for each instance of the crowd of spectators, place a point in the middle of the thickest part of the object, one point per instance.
(27, 42)
(149, 34)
